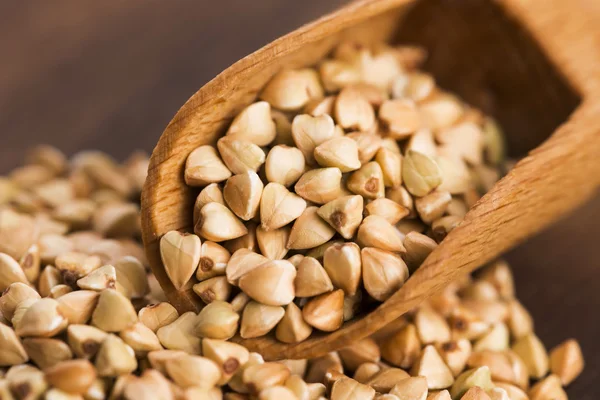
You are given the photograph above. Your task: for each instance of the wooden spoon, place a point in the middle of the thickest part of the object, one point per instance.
(534, 65)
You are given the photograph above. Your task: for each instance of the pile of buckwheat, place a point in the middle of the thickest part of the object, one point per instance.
(322, 197)
(81, 316)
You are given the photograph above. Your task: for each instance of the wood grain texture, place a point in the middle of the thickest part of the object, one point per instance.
(538, 191)
(57, 87)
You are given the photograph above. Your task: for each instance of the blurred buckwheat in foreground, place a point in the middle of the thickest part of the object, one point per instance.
(82, 318)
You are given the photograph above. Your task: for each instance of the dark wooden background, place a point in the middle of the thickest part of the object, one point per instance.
(110, 74)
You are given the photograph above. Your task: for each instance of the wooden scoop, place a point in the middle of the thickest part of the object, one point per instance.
(534, 65)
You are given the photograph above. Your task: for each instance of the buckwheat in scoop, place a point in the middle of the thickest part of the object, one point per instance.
(329, 190)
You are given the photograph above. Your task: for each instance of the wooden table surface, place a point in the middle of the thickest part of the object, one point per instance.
(109, 75)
